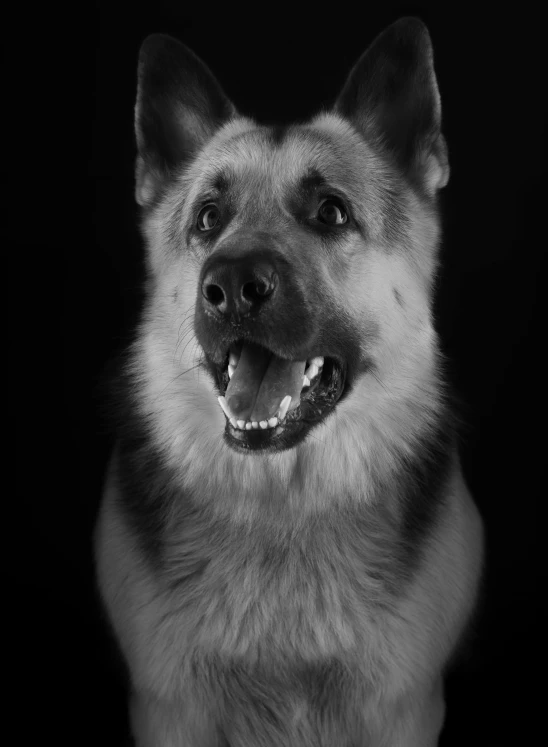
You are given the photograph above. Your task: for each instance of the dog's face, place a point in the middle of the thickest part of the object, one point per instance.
(290, 268)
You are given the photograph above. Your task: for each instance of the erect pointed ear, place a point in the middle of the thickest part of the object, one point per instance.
(179, 106)
(392, 94)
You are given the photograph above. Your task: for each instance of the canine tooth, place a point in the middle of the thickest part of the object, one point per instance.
(306, 381)
(263, 424)
(255, 424)
(284, 407)
(233, 358)
(233, 422)
(317, 361)
(248, 426)
(273, 422)
(225, 407)
(311, 371)
(241, 424)
(231, 370)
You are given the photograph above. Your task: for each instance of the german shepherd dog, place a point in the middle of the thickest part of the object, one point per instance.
(286, 548)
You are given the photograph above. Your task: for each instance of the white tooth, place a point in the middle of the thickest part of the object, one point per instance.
(306, 381)
(284, 406)
(233, 357)
(226, 409)
(311, 371)
(273, 422)
(248, 426)
(231, 369)
(241, 424)
(317, 361)
(233, 422)
(263, 424)
(255, 424)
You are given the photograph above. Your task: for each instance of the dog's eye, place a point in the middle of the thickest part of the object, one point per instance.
(208, 218)
(332, 213)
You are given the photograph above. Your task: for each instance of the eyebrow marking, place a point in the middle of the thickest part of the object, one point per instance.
(311, 181)
(221, 183)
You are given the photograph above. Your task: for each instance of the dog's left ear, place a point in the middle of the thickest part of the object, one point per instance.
(392, 95)
(179, 107)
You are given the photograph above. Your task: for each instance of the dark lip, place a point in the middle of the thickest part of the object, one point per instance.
(280, 438)
(312, 410)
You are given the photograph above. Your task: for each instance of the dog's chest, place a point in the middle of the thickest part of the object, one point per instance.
(252, 599)
(303, 616)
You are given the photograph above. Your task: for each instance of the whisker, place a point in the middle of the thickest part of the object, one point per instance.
(180, 340)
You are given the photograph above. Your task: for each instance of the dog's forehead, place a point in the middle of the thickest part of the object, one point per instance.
(279, 158)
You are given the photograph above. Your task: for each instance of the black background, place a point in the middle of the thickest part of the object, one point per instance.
(75, 292)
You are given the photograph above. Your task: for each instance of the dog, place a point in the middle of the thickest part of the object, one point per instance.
(286, 548)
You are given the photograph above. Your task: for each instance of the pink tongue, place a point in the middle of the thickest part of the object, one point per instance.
(260, 382)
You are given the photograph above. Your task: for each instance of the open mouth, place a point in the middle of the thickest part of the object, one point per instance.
(270, 402)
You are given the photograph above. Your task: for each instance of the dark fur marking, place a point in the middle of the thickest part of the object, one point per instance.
(397, 296)
(194, 568)
(143, 481)
(219, 188)
(222, 741)
(146, 497)
(147, 488)
(334, 693)
(311, 182)
(425, 479)
(278, 133)
(144, 493)
(147, 492)
(221, 183)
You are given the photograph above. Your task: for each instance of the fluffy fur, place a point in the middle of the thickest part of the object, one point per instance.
(310, 596)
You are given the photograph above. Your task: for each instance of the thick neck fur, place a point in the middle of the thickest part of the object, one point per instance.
(386, 448)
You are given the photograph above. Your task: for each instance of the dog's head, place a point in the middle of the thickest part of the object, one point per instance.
(290, 268)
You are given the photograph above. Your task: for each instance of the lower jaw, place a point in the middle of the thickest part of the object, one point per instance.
(279, 438)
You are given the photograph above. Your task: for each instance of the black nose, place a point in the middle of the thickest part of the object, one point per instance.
(238, 286)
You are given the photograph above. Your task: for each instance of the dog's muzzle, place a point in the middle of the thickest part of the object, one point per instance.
(258, 323)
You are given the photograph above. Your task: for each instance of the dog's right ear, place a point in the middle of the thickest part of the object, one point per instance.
(179, 107)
